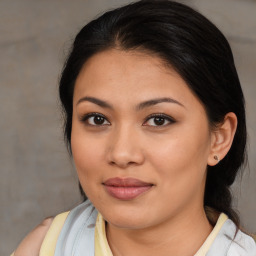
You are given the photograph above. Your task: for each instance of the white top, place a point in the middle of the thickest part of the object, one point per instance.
(79, 237)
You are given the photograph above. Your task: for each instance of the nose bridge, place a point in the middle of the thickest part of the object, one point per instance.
(124, 147)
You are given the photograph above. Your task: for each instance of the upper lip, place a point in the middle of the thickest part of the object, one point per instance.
(126, 182)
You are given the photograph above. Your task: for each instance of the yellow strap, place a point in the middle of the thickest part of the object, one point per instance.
(208, 242)
(50, 240)
(102, 247)
(101, 243)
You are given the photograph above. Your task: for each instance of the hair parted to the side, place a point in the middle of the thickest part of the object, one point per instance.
(195, 48)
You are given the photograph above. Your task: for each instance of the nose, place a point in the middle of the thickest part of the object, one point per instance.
(124, 148)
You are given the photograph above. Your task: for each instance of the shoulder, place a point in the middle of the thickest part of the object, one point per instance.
(230, 241)
(237, 242)
(30, 246)
(45, 236)
(242, 245)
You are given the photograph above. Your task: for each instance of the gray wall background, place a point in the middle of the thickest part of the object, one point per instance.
(37, 177)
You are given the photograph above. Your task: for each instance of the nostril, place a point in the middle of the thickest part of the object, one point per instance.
(123, 154)
(122, 164)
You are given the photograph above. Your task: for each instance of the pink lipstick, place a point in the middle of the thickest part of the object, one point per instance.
(126, 188)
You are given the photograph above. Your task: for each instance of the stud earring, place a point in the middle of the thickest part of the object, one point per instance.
(216, 158)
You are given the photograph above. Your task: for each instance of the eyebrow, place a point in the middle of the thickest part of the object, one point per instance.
(96, 101)
(140, 106)
(153, 102)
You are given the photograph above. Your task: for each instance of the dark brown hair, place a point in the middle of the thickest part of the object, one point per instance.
(195, 48)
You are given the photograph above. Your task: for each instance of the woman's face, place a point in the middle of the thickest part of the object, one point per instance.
(140, 139)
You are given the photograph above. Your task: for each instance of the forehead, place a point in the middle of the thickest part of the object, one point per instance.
(124, 76)
(131, 64)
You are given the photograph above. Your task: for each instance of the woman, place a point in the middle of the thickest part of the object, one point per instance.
(155, 122)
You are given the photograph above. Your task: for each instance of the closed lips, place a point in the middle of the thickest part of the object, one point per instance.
(126, 182)
(126, 188)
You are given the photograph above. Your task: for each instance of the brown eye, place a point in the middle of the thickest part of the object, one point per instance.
(95, 120)
(99, 120)
(159, 120)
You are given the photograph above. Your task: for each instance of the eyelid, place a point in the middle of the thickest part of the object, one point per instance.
(162, 115)
(170, 119)
(85, 117)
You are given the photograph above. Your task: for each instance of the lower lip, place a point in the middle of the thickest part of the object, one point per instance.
(126, 193)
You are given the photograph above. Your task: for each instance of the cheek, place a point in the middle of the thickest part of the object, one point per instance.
(181, 160)
(88, 161)
(87, 155)
(185, 149)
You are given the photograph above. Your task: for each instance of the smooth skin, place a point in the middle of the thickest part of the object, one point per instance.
(30, 245)
(135, 117)
(115, 135)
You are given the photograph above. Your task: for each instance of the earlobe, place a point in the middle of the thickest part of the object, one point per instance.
(222, 139)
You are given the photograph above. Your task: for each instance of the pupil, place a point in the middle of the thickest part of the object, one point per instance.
(159, 120)
(98, 120)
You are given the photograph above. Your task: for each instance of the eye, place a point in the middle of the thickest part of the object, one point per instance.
(95, 119)
(158, 120)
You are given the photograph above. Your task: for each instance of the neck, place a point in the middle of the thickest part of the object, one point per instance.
(182, 235)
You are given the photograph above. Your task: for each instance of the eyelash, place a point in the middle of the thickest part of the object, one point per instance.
(161, 115)
(85, 118)
(170, 120)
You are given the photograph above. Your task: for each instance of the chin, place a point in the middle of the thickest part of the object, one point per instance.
(127, 222)
(126, 218)
(127, 214)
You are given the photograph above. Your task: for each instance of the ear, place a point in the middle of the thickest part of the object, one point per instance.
(222, 138)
